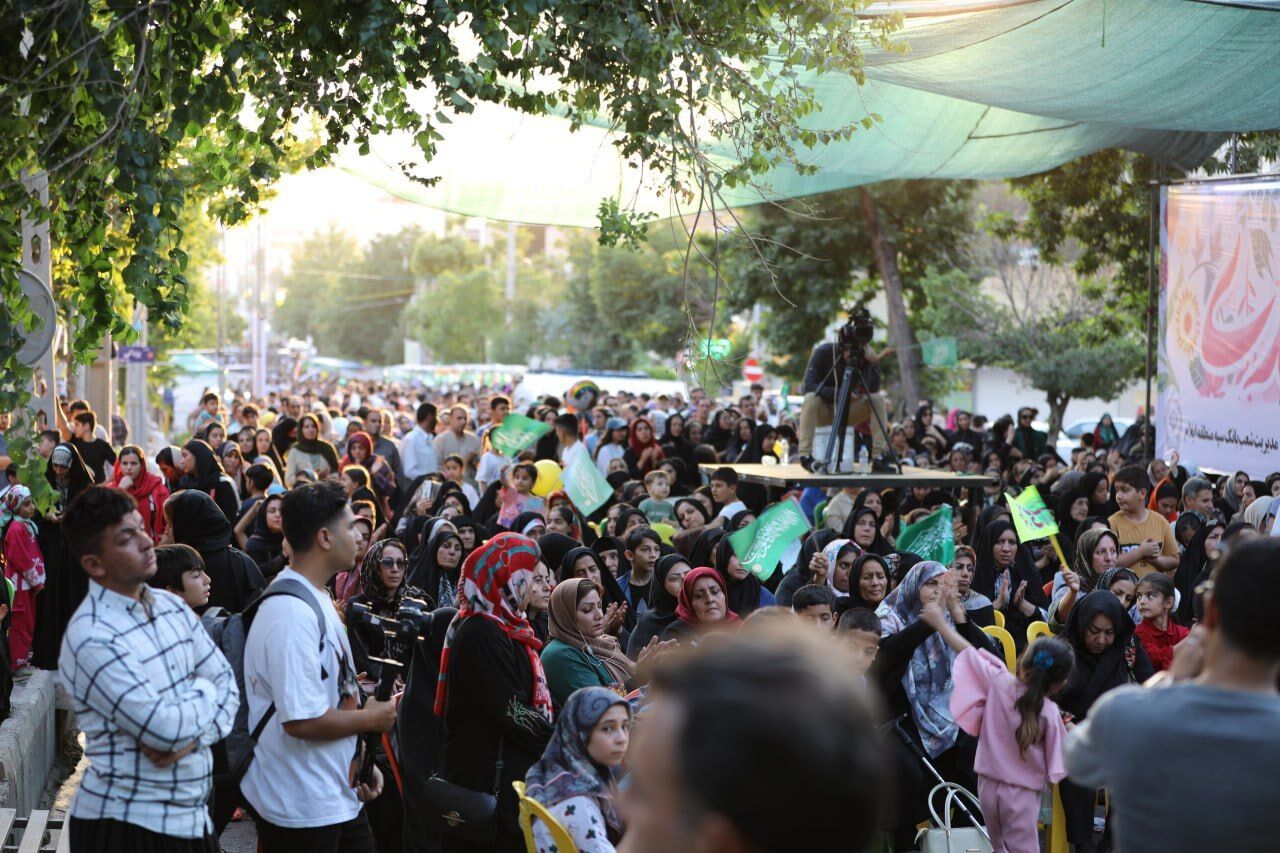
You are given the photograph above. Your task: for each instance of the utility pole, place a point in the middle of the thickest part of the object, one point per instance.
(511, 271)
(258, 333)
(35, 260)
(136, 407)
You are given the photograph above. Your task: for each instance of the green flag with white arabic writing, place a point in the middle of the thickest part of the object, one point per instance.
(517, 433)
(931, 538)
(939, 352)
(585, 485)
(761, 544)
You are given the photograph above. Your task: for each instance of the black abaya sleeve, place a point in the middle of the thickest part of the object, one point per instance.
(498, 687)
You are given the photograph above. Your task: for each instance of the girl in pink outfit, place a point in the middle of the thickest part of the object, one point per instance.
(24, 567)
(1020, 733)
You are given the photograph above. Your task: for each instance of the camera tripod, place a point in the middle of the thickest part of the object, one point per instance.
(844, 389)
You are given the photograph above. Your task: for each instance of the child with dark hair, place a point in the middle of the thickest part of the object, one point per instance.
(657, 486)
(1019, 728)
(1157, 632)
(860, 628)
(517, 497)
(1146, 539)
(816, 604)
(180, 570)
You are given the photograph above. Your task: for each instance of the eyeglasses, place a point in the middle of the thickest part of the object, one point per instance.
(394, 562)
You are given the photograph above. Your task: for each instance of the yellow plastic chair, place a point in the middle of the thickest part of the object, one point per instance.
(530, 809)
(1038, 629)
(999, 619)
(1006, 642)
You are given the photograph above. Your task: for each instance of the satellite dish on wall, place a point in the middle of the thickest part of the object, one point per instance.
(41, 299)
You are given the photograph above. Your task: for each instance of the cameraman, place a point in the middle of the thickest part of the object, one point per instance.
(821, 377)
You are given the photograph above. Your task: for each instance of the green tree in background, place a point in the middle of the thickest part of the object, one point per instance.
(821, 252)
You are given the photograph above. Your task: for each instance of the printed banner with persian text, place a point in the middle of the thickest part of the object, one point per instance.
(1219, 401)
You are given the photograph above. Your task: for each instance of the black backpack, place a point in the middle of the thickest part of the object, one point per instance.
(234, 753)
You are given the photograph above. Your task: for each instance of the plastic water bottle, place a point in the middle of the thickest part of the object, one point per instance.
(864, 461)
(784, 451)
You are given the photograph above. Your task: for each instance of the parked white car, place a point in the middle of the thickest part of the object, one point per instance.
(1069, 438)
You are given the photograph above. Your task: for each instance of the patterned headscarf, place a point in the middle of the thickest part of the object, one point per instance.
(494, 579)
(566, 769)
(371, 578)
(928, 677)
(14, 498)
(832, 553)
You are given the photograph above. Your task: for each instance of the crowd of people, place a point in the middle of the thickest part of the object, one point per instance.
(344, 614)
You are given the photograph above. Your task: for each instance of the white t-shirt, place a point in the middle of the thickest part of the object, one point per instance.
(292, 782)
(577, 451)
(729, 510)
(491, 465)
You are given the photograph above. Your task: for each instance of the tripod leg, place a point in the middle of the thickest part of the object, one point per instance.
(838, 420)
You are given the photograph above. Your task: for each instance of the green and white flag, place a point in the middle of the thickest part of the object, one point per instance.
(585, 485)
(931, 537)
(517, 433)
(761, 544)
(939, 352)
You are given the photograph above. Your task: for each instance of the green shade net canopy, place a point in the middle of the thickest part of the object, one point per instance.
(985, 90)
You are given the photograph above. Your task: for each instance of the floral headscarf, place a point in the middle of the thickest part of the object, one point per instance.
(928, 677)
(494, 579)
(14, 498)
(371, 577)
(566, 769)
(832, 553)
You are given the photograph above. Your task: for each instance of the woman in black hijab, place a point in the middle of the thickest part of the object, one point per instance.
(531, 524)
(66, 584)
(746, 594)
(613, 553)
(567, 569)
(235, 579)
(719, 435)
(1193, 568)
(282, 438)
(691, 514)
(994, 558)
(878, 544)
(677, 445)
(204, 473)
(553, 547)
(430, 574)
(1092, 484)
(1069, 528)
(988, 515)
(266, 546)
(800, 573)
(1101, 665)
(662, 603)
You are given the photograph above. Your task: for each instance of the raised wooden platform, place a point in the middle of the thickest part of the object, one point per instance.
(784, 475)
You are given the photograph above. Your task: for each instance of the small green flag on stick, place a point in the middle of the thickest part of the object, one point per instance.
(761, 544)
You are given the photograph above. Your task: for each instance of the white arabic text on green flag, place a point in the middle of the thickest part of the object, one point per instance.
(517, 433)
(761, 544)
(585, 485)
(931, 538)
(939, 352)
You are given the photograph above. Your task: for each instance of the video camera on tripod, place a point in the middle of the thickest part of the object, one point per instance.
(855, 334)
(408, 626)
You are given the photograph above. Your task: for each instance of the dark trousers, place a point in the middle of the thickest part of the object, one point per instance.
(105, 835)
(354, 836)
(1078, 807)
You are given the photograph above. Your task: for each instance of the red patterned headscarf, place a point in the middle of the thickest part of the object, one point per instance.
(493, 583)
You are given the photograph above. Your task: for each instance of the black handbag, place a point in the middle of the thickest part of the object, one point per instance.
(462, 813)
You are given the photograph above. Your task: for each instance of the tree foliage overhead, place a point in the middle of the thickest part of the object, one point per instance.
(818, 256)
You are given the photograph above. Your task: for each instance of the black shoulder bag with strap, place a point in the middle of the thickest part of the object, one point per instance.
(460, 812)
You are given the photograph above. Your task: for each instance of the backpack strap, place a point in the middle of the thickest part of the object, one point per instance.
(293, 589)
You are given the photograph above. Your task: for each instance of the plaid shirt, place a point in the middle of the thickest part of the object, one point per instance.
(145, 673)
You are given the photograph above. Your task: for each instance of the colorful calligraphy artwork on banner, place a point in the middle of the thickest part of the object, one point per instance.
(1219, 378)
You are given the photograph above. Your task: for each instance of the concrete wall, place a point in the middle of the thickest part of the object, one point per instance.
(28, 739)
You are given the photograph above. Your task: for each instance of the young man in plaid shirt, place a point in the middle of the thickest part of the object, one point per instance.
(150, 690)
